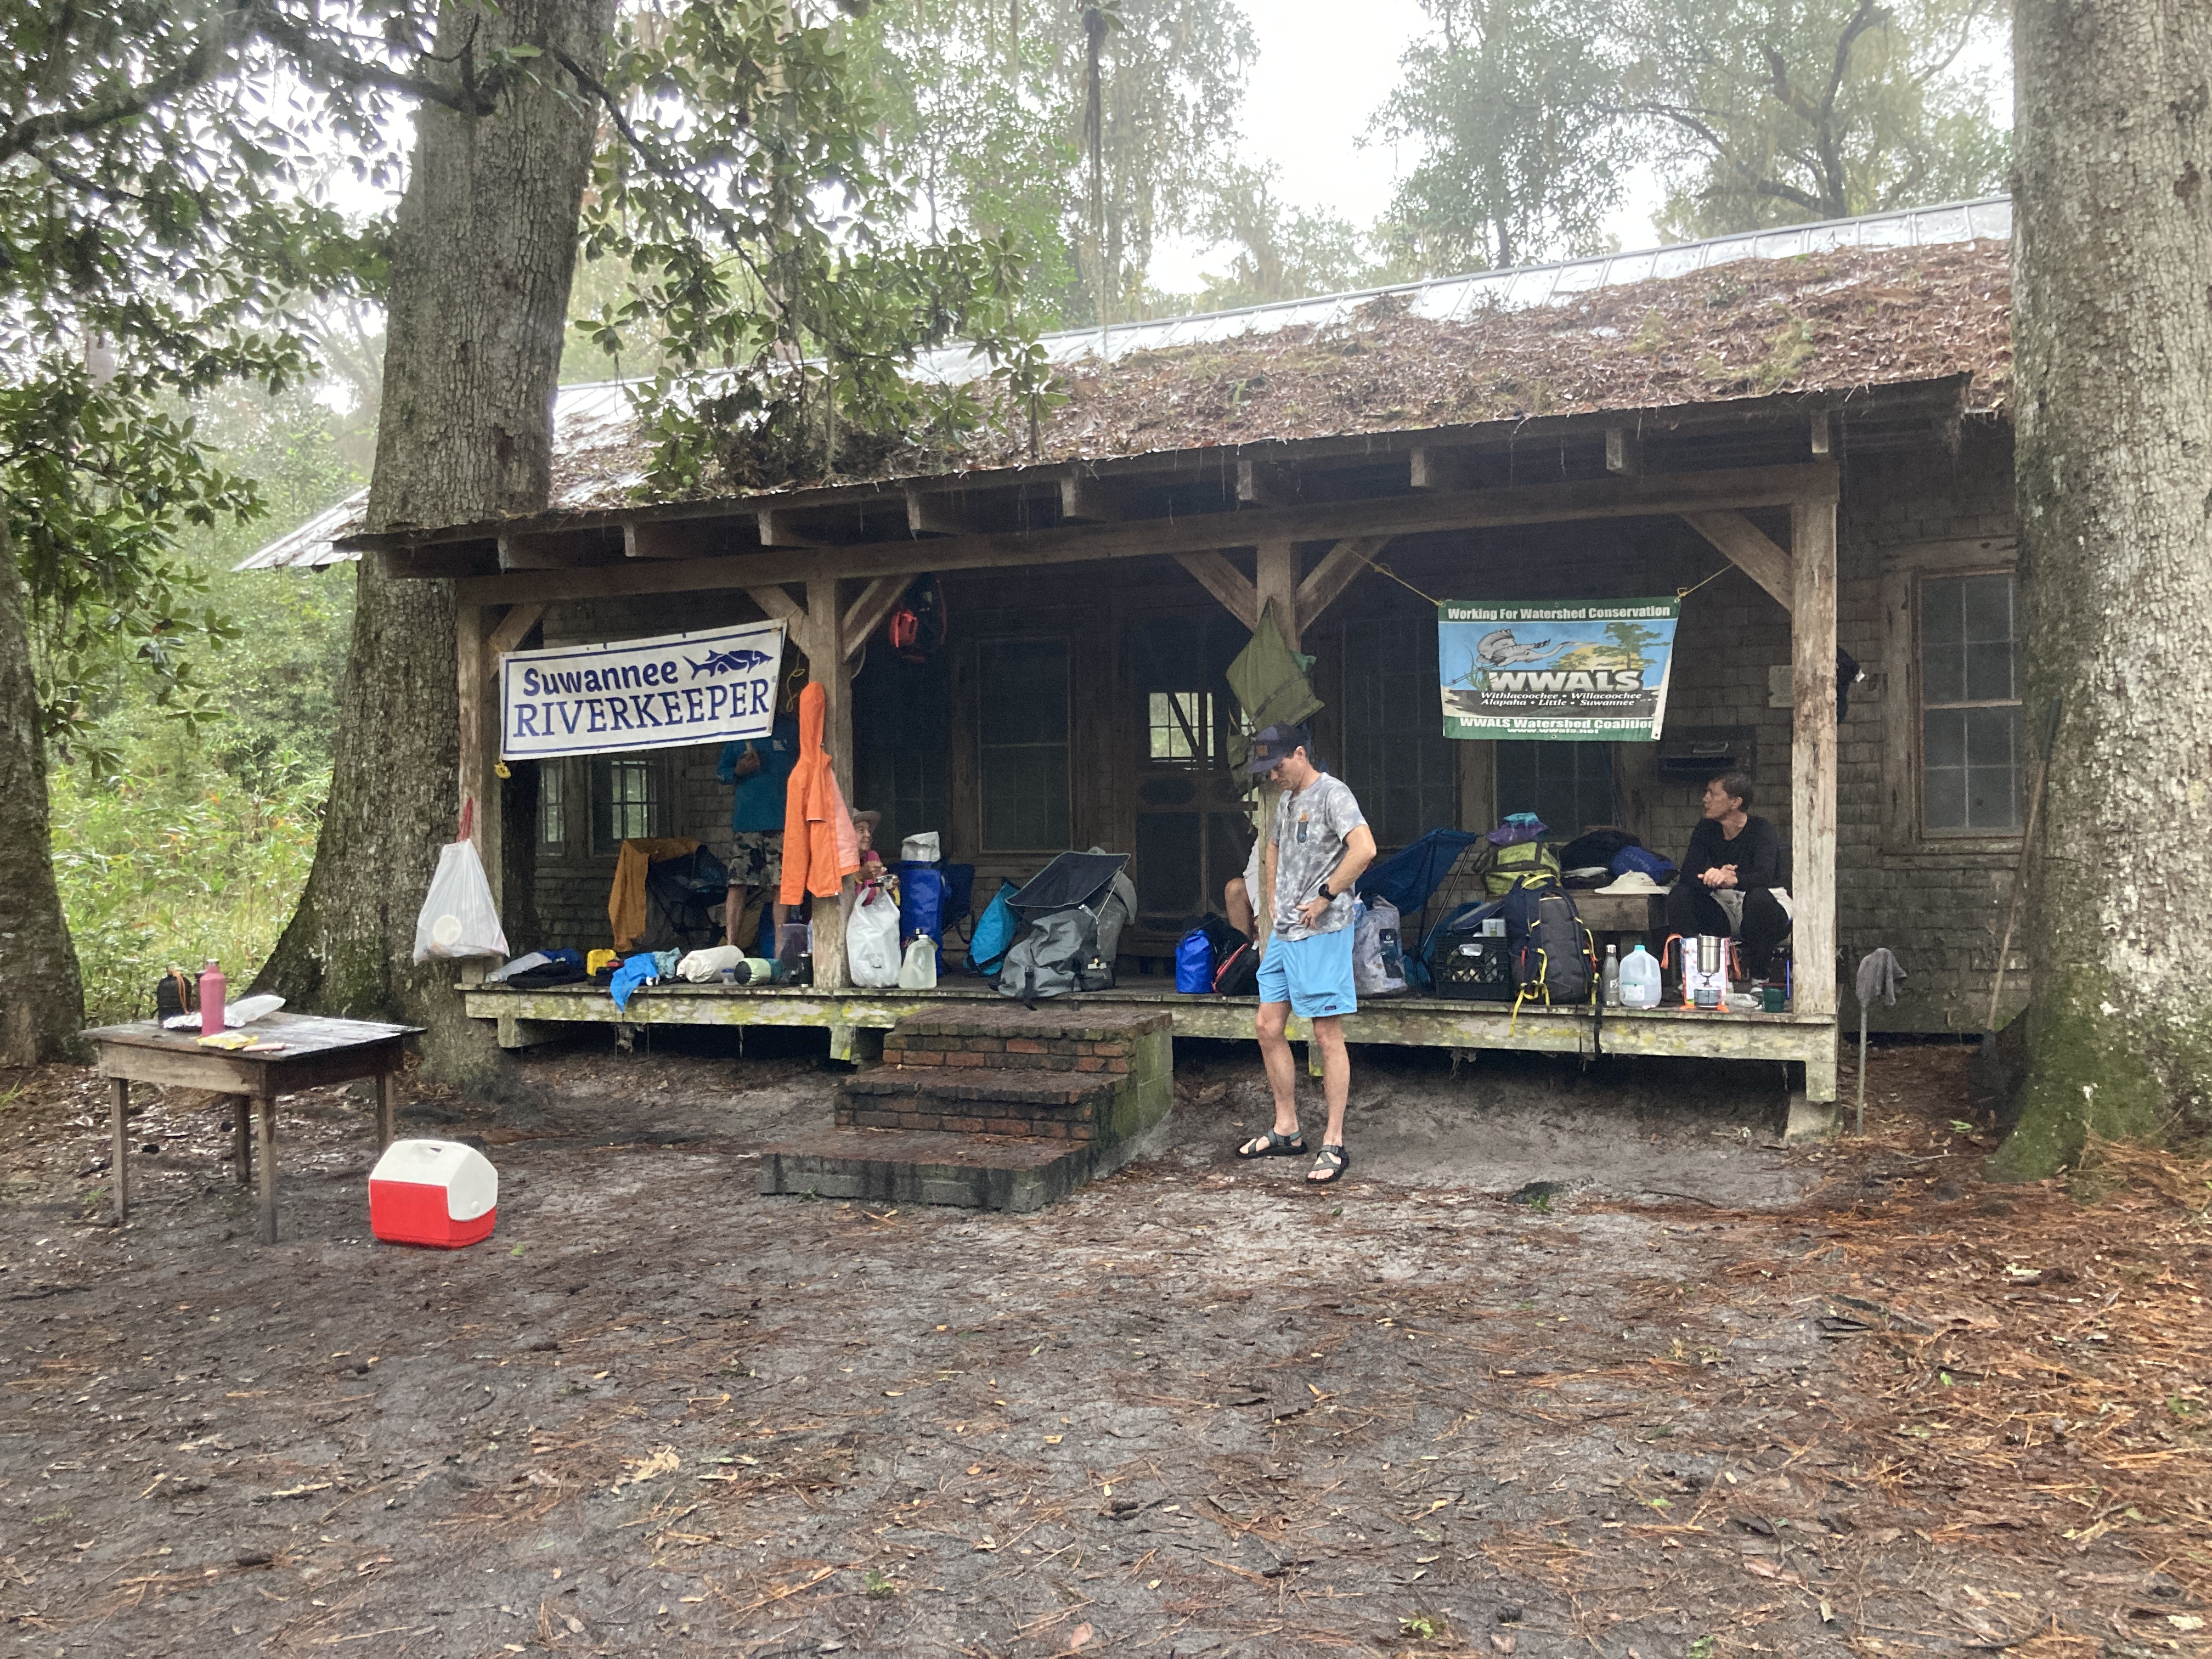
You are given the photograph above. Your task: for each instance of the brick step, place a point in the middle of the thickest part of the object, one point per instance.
(1009, 1088)
(909, 1167)
(1050, 1105)
(1073, 1039)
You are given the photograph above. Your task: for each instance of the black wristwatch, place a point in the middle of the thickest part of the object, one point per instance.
(1326, 897)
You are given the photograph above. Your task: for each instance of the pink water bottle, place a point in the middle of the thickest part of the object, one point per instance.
(212, 989)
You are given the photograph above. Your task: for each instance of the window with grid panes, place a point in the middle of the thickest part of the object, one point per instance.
(627, 804)
(552, 803)
(1970, 720)
(1396, 759)
(1567, 785)
(1022, 744)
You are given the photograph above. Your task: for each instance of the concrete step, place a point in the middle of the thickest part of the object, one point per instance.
(892, 1166)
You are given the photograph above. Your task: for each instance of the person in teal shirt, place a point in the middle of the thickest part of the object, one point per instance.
(759, 768)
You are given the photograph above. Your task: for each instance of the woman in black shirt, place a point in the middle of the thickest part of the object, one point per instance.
(1731, 877)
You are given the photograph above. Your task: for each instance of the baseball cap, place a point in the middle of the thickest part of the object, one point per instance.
(1273, 746)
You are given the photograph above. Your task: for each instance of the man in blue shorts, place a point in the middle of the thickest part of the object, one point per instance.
(1320, 845)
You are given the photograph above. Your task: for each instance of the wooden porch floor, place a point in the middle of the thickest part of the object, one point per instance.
(855, 1019)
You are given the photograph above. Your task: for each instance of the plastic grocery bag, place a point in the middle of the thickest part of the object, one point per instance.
(457, 918)
(871, 941)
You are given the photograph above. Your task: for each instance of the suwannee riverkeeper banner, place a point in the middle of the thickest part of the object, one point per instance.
(1595, 671)
(640, 694)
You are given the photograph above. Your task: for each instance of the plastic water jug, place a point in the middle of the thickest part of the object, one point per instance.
(438, 1192)
(1639, 979)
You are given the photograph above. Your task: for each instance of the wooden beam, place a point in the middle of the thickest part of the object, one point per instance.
(1434, 467)
(547, 549)
(513, 627)
(931, 513)
(776, 604)
(1337, 571)
(1653, 496)
(1624, 451)
(683, 538)
(1264, 483)
(869, 612)
(1812, 756)
(1087, 500)
(1276, 583)
(1222, 579)
(1820, 432)
(1750, 550)
(778, 527)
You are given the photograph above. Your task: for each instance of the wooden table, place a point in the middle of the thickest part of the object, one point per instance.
(317, 1051)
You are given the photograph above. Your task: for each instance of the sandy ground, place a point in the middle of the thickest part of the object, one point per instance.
(1196, 1409)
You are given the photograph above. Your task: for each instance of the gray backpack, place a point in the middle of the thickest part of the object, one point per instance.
(1057, 953)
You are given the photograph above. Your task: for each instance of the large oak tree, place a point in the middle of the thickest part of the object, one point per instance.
(2113, 329)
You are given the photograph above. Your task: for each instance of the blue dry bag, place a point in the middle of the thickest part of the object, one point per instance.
(1194, 964)
(994, 931)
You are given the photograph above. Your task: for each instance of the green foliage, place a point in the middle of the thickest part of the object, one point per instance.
(1774, 111)
(1514, 104)
(770, 280)
(1282, 252)
(176, 863)
(1756, 112)
(982, 106)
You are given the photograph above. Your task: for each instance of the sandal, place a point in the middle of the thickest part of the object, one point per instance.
(1330, 1167)
(1274, 1145)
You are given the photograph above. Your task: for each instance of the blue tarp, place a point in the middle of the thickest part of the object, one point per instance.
(1408, 878)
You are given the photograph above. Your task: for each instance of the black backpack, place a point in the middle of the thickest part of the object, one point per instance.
(1553, 961)
(1238, 973)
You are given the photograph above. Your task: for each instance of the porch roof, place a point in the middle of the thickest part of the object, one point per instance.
(1733, 334)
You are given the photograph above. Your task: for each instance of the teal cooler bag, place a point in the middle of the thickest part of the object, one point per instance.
(994, 931)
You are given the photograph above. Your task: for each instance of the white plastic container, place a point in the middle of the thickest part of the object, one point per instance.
(1639, 979)
(438, 1192)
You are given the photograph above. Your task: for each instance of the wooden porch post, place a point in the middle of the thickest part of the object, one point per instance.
(478, 720)
(1275, 580)
(1812, 752)
(821, 638)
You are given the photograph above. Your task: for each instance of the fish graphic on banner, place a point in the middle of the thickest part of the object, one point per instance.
(663, 693)
(1595, 671)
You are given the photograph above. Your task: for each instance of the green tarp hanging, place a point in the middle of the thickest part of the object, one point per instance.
(1269, 679)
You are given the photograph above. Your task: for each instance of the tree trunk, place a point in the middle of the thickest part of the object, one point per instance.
(2112, 326)
(44, 1009)
(483, 250)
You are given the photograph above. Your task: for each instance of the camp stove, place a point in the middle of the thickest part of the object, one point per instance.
(1705, 960)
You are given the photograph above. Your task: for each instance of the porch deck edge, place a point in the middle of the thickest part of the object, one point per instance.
(1413, 1022)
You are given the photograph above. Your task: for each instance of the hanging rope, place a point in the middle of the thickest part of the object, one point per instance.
(1684, 592)
(1384, 569)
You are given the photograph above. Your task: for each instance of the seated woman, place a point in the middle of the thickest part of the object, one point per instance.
(1731, 877)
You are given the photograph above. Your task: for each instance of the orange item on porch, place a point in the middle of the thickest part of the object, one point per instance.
(819, 847)
(626, 898)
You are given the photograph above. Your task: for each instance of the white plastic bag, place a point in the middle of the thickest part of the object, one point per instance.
(458, 919)
(918, 971)
(872, 946)
(921, 849)
(1379, 967)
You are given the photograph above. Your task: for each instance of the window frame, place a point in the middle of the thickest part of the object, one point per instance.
(1903, 765)
(599, 839)
(982, 647)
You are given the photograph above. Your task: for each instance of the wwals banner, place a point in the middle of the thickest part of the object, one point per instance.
(640, 694)
(1595, 671)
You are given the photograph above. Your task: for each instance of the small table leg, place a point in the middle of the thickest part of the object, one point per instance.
(268, 1172)
(384, 1126)
(242, 1109)
(119, 1108)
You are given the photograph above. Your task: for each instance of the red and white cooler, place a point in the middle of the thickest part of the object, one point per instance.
(438, 1192)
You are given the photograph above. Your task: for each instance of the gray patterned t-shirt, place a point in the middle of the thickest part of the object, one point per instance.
(1310, 827)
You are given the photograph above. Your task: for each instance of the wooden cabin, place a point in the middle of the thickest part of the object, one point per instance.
(1812, 450)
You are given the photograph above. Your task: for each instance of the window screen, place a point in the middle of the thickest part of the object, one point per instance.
(1969, 706)
(902, 732)
(1022, 748)
(1567, 785)
(1396, 758)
